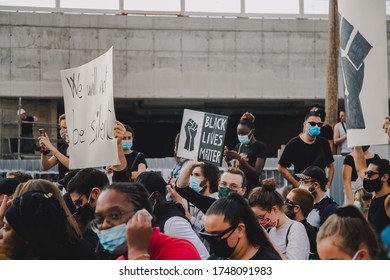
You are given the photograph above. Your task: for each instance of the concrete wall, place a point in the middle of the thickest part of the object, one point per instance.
(167, 57)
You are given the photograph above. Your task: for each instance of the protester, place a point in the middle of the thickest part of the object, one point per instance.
(232, 180)
(351, 181)
(202, 178)
(124, 225)
(288, 236)
(170, 216)
(307, 149)
(27, 142)
(340, 135)
(297, 206)
(136, 163)
(314, 180)
(233, 232)
(363, 201)
(376, 179)
(346, 235)
(250, 154)
(35, 227)
(59, 156)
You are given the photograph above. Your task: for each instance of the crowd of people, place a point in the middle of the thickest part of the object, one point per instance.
(201, 212)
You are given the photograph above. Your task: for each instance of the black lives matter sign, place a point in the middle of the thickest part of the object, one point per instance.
(202, 136)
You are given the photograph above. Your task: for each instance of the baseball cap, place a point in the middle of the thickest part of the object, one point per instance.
(20, 111)
(313, 172)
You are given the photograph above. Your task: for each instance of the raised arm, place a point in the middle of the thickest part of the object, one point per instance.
(119, 132)
(360, 162)
(48, 163)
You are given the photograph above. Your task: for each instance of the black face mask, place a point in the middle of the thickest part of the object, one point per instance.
(86, 213)
(221, 248)
(372, 185)
(289, 211)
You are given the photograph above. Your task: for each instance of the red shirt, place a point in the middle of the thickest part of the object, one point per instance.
(165, 247)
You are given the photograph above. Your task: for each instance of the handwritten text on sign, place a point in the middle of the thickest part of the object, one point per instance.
(90, 114)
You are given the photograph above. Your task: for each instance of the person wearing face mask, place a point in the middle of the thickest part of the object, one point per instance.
(297, 206)
(233, 233)
(250, 154)
(170, 216)
(136, 162)
(232, 180)
(314, 180)
(307, 149)
(351, 180)
(202, 178)
(84, 189)
(288, 236)
(376, 179)
(362, 200)
(123, 223)
(59, 156)
(347, 235)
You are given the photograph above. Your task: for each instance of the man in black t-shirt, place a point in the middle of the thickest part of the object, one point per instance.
(307, 149)
(27, 142)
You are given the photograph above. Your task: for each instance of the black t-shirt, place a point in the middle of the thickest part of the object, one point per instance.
(134, 159)
(302, 155)
(325, 208)
(348, 160)
(250, 153)
(61, 168)
(377, 214)
(27, 126)
(327, 132)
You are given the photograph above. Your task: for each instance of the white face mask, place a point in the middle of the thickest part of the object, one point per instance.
(302, 186)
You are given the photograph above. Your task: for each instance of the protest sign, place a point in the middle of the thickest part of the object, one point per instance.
(90, 114)
(202, 137)
(363, 49)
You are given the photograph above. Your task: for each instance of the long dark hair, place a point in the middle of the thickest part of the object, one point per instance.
(236, 210)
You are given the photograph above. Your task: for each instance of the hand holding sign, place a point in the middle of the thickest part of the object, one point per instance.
(190, 129)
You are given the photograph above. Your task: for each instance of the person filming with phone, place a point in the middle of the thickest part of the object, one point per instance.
(59, 156)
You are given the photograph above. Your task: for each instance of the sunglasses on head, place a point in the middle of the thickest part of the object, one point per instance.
(369, 173)
(319, 124)
(216, 236)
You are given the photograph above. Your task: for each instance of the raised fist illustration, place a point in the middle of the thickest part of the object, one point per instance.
(355, 49)
(191, 128)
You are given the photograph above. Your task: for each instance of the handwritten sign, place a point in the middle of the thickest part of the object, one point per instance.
(202, 137)
(90, 114)
(363, 49)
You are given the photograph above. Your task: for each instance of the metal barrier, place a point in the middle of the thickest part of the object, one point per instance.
(165, 165)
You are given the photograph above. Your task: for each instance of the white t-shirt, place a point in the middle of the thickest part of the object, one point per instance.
(298, 245)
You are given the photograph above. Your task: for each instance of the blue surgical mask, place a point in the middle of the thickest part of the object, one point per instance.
(195, 184)
(358, 205)
(127, 144)
(244, 139)
(314, 131)
(113, 239)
